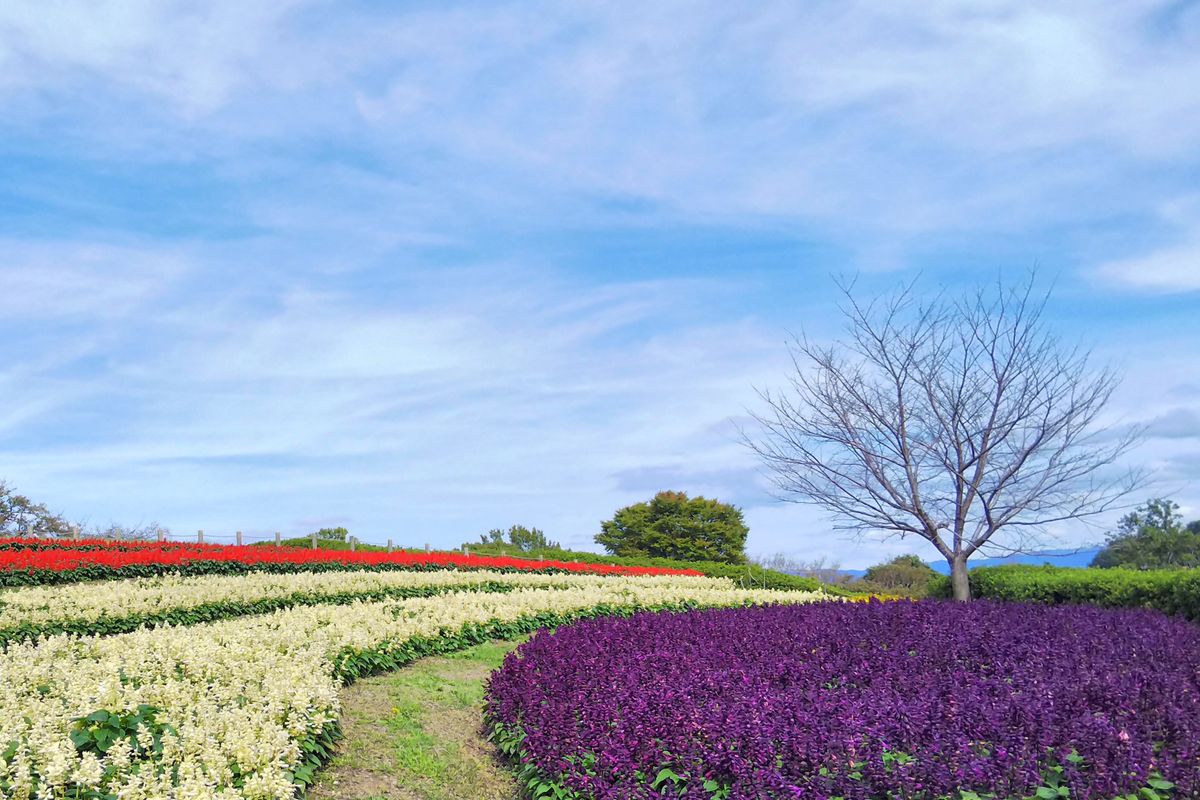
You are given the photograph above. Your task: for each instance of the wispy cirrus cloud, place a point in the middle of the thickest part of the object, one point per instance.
(433, 268)
(1171, 269)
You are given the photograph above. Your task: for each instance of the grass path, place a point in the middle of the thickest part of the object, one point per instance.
(415, 734)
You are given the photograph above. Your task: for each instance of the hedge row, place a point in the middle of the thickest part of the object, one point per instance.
(748, 576)
(1175, 592)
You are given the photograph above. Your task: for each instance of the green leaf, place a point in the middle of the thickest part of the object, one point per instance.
(665, 774)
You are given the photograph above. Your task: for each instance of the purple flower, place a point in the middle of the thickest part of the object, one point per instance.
(885, 700)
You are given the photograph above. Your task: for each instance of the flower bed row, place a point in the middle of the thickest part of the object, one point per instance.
(245, 708)
(921, 701)
(123, 606)
(68, 562)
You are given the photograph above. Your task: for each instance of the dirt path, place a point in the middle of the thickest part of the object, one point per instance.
(416, 734)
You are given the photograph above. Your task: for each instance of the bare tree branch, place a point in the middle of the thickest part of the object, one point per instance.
(955, 420)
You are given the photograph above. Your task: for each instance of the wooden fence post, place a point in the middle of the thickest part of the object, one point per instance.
(278, 539)
(200, 537)
(239, 538)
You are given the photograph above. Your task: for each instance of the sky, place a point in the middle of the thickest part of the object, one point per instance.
(427, 269)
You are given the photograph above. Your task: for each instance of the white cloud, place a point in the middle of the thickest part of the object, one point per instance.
(48, 279)
(491, 405)
(1171, 269)
(194, 57)
(912, 119)
(331, 357)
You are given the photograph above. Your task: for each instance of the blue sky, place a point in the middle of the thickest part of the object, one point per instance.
(424, 269)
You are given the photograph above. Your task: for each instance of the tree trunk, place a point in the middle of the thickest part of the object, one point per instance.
(958, 578)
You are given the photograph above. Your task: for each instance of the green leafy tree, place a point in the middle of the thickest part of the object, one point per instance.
(20, 516)
(1152, 537)
(906, 574)
(673, 525)
(333, 534)
(526, 540)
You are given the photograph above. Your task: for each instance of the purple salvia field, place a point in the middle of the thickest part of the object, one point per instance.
(865, 702)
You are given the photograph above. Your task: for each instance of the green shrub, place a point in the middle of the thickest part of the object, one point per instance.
(904, 575)
(1174, 592)
(524, 540)
(748, 575)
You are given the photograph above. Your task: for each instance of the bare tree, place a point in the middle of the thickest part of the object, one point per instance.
(20, 516)
(818, 568)
(955, 420)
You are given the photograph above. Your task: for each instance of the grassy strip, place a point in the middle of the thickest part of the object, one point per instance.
(215, 611)
(414, 733)
(354, 663)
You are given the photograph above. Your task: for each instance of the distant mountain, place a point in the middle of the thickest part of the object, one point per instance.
(1059, 558)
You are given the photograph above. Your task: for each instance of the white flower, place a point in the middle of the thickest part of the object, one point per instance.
(243, 692)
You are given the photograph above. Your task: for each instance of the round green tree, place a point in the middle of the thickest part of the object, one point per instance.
(907, 574)
(673, 525)
(1152, 537)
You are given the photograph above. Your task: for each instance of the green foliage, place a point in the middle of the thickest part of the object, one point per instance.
(100, 730)
(1170, 591)
(96, 572)
(745, 575)
(228, 609)
(520, 539)
(906, 574)
(673, 525)
(750, 576)
(334, 534)
(1152, 537)
(353, 663)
